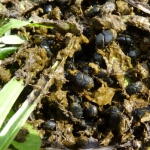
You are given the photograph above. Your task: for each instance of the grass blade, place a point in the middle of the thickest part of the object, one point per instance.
(12, 39)
(14, 125)
(8, 96)
(13, 23)
(5, 51)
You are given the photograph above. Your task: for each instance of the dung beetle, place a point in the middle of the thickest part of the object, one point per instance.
(114, 117)
(87, 122)
(75, 106)
(133, 53)
(109, 81)
(98, 59)
(84, 67)
(140, 112)
(105, 37)
(136, 87)
(124, 39)
(144, 44)
(49, 124)
(90, 109)
(87, 31)
(87, 143)
(81, 79)
(63, 2)
(47, 8)
(44, 43)
(69, 65)
(92, 11)
(102, 73)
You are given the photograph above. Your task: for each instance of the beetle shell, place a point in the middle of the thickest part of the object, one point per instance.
(124, 39)
(50, 124)
(109, 81)
(92, 11)
(145, 44)
(114, 117)
(102, 73)
(44, 43)
(87, 32)
(69, 65)
(104, 38)
(97, 58)
(139, 114)
(133, 53)
(81, 79)
(75, 106)
(90, 110)
(76, 109)
(136, 87)
(48, 8)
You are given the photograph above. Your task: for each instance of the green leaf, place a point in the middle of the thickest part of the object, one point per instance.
(33, 140)
(12, 39)
(2, 45)
(5, 51)
(11, 113)
(2, 20)
(12, 24)
(8, 96)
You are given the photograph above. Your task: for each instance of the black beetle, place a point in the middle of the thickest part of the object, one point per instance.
(75, 106)
(136, 87)
(139, 113)
(105, 37)
(49, 124)
(90, 109)
(44, 43)
(87, 31)
(98, 59)
(47, 8)
(133, 53)
(114, 117)
(92, 11)
(81, 79)
(124, 39)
